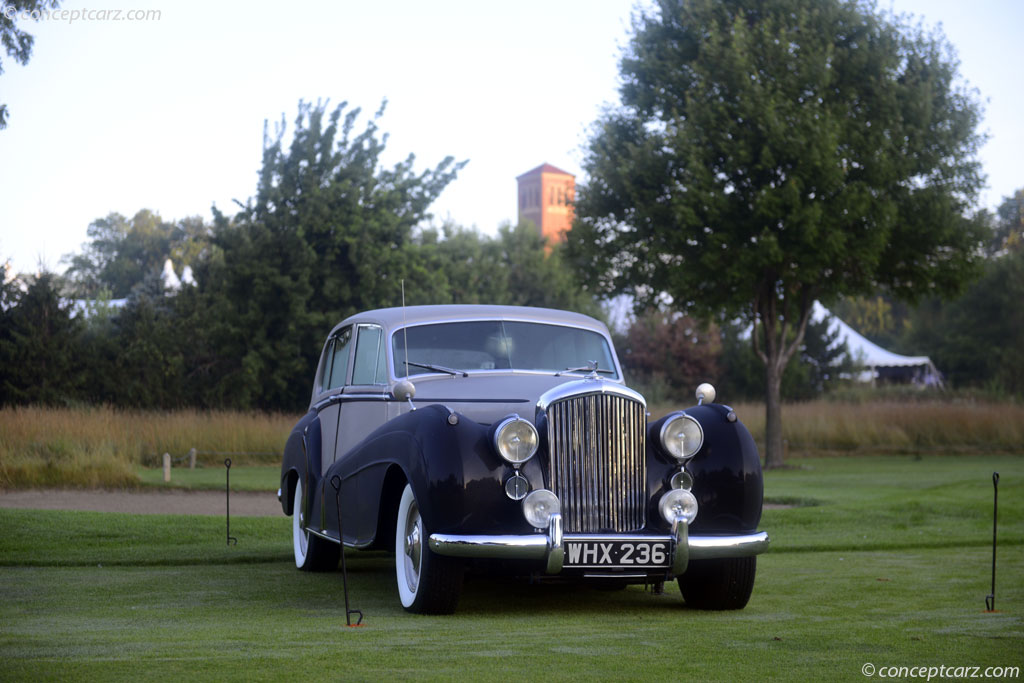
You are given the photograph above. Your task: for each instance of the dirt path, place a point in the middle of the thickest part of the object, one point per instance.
(243, 503)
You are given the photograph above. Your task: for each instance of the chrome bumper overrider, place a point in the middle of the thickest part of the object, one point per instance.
(550, 546)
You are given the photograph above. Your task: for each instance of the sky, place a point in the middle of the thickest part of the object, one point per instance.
(166, 111)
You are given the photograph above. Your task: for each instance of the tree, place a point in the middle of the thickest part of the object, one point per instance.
(1008, 234)
(672, 351)
(38, 345)
(329, 233)
(766, 155)
(121, 253)
(16, 42)
(977, 339)
(517, 267)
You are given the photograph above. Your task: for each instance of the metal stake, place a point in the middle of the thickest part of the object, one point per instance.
(227, 499)
(336, 484)
(990, 599)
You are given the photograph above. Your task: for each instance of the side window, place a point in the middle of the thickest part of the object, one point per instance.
(369, 364)
(336, 367)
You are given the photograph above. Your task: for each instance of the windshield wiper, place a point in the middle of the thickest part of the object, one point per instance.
(438, 368)
(592, 367)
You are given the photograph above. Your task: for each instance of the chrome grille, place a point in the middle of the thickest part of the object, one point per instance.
(597, 465)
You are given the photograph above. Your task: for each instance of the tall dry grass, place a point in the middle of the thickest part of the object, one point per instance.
(103, 446)
(94, 447)
(893, 426)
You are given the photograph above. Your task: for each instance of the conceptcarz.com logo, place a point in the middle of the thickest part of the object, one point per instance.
(12, 13)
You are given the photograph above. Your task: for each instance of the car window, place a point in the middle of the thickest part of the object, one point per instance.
(497, 345)
(336, 362)
(369, 367)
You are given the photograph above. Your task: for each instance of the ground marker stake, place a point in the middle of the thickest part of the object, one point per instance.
(990, 599)
(227, 499)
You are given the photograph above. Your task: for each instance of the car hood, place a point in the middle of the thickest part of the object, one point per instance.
(486, 397)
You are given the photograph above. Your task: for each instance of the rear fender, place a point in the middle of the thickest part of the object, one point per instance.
(302, 455)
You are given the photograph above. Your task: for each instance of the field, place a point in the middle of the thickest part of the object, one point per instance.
(94, 447)
(883, 561)
(91, 447)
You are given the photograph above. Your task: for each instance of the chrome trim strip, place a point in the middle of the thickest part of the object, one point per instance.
(586, 387)
(524, 547)
(681, 555)
(322, 534)
(470, 400)
(619, 575)
(708, 547)
(550, 548)
(556, 546)
(326, 536)
(385, 395)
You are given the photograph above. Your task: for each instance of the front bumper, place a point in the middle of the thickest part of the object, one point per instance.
(550, 547)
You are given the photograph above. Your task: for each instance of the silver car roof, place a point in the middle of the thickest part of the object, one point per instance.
(394, 318)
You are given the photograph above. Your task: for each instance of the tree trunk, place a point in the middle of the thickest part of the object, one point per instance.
(776, 354)
(773, 414)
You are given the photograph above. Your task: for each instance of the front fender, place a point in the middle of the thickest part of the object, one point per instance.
(727, 478)
(454, 472)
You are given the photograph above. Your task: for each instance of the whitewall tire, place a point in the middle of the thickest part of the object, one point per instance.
(427, 583)
(312, 553)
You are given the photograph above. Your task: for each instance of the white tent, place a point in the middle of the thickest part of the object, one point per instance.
(877, 362)
(169, 277)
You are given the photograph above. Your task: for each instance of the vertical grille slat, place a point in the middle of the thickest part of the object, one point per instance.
(597, 465)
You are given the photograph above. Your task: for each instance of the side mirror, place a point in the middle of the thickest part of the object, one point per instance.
(705, 392)
(404, 390)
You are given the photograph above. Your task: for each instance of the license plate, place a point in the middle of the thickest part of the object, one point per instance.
(616, 554)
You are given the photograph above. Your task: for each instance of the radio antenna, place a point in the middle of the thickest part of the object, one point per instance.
(405, 330)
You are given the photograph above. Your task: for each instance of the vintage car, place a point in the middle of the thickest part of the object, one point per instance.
(503, 439)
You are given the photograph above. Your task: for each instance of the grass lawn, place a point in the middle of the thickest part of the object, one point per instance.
(211, 477)
(887, 563)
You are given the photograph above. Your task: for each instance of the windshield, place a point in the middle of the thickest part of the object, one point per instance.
(499, 345)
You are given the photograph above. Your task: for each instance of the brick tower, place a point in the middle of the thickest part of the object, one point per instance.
(546, 197)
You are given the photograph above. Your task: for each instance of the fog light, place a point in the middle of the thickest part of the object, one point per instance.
(677, 503)
(538, 507)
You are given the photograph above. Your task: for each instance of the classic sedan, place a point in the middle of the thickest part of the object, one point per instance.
(503, 439)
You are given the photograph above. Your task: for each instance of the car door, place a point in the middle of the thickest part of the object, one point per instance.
(364, 407)
(336, 364)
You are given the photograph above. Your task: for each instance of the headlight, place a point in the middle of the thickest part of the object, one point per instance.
(516, 440)
(678, 503)
(539, 506)
(682, 436)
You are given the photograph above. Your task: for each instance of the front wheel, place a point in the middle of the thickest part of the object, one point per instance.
(312, 553)
(428, 583)
(718, 584)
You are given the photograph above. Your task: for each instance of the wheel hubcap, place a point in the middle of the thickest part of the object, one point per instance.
(413, 547)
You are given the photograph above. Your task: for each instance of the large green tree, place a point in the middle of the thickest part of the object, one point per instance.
(769, 154)
(331, 231)
(16, 42)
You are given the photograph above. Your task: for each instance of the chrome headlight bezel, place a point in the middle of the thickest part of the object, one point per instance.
(509, 440)
(681, 449)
